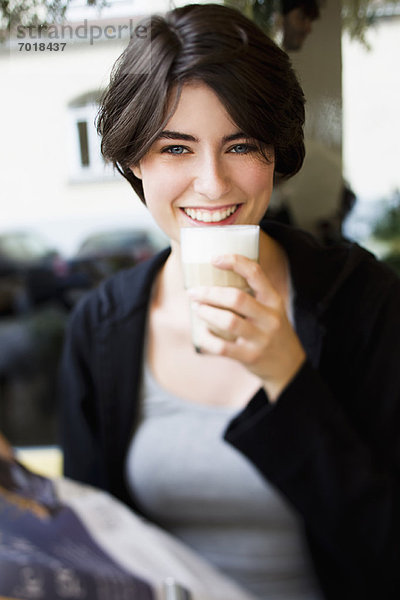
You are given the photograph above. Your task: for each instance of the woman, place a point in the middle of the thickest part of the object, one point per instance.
(291, 431)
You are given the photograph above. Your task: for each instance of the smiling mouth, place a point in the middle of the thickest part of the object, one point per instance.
(210, 216)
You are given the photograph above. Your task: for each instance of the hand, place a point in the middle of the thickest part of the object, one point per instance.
(264, 341)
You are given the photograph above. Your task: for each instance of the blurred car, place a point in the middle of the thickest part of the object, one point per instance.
(37, 288)
(32, 273)
(106, 252)
(34, 280)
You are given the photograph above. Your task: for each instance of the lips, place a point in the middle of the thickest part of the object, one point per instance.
(203, 215)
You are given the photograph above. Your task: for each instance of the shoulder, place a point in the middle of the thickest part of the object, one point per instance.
(119, 296)
(365, 281)
(323, 274)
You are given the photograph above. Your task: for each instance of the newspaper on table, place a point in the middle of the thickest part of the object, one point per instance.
(62, 540)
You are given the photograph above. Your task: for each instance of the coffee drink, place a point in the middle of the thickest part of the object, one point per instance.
(199, 245)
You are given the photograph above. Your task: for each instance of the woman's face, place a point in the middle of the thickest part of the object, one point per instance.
(202, 170)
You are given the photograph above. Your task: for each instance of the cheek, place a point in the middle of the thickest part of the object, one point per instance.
(161, 181)
(258, 178)
(161, 193)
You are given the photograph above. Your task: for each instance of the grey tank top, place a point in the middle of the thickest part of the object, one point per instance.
(196, 486)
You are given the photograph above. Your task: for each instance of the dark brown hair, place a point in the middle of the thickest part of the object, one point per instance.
(217, 45)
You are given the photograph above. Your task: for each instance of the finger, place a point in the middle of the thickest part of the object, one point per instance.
(226, 323)
(240, 349)
(229, 298)
(254, 275)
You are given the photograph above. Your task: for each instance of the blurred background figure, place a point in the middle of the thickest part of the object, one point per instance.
(289, 22)
(296, 20)
(312, 200)
(316, 199)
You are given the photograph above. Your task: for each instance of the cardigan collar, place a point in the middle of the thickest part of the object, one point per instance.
(123, 300)
(317, 273)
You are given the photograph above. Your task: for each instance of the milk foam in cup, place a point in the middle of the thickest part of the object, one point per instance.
(200, 245)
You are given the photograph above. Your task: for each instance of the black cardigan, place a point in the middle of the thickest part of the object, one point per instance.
(331, 443)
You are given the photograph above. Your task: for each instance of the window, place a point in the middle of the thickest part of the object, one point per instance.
(83, 143)
(86, 161)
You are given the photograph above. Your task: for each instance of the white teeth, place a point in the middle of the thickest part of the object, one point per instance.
(208, 216)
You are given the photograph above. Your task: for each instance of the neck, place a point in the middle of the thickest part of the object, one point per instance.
(169, 284)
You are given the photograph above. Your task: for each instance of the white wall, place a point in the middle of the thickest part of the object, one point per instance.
(371, 84)
(36, 188)
(35, 181)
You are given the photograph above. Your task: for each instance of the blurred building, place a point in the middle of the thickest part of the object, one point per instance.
(54, 179)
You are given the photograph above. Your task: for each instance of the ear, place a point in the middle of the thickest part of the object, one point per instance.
(136, 170)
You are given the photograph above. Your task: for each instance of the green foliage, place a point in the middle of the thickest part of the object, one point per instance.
(260, 11)
(387, 227)
(32, 13)
(357, 15)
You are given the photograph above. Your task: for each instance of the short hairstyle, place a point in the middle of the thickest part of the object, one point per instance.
(219, 46)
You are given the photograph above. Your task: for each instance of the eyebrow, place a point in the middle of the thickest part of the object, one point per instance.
(176, 135)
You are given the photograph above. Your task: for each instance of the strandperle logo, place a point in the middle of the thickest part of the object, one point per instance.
(83, 31)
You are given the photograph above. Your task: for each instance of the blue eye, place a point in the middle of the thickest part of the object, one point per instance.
(174, 150)
(242, 149)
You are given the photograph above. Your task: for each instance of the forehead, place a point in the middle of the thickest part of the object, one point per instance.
(197, 106)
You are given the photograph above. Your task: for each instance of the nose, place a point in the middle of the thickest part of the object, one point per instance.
(211, 179)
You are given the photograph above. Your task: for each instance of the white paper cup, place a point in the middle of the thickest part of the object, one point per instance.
(199, 245)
